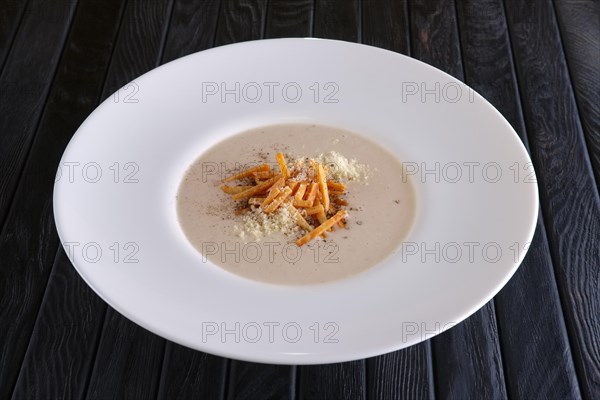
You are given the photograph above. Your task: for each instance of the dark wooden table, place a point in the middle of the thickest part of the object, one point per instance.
(537, 61)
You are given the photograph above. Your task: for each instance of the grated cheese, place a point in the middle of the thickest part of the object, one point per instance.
(256, 224)
(342, 169)
(339, 168)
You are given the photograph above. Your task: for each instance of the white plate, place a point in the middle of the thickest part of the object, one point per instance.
(114, 200)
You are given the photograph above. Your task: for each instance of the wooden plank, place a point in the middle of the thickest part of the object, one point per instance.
(189, 374)
(403, 374)
(27, 76)
(338, 19)
(569, 198)
(10, 18)
(385, 25)
(332, 381)
(260, 381)
(290, 18)
(579, 22)
(192, 28)
(128, 362)
(536, 352)
(468, 362)
(241, 20)
(129, 358)
(434, 35)
(139, 45)
(61, 350)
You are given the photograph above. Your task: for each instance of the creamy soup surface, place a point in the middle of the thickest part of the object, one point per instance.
(380, 210)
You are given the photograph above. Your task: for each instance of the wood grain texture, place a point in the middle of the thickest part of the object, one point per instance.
(10, 18)
(138, 47)
(579, 22)
(385, 25)
(338, 19)
(192, 28)
(467, 358)
(332, 381)
(531, 371)
(290, 18)
(241, 20)
(468, 364)
(27, 77)
(190, 374)
(569, 198)
(403, 374)
(68, 349)
(129, 358)
(260, 381)
(434, 35)
(61, 349)
(128, 361)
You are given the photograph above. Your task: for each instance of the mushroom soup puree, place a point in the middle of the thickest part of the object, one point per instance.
(380, 210)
